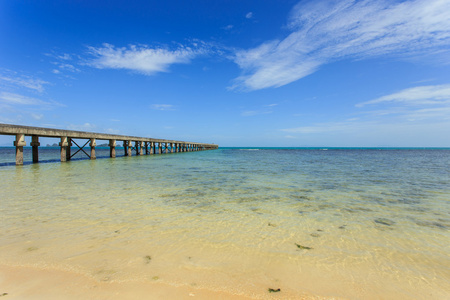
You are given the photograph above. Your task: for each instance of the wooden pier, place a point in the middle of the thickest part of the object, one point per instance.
(142, 145)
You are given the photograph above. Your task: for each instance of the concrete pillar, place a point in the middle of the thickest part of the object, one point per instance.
(35, 144)
(136, 148)
(112, 148)
(152, 148)
(125, 148)
(141, 149)
(146, 148)
(64, 144)
(166, 146)
(175, 145)
(93, 143)
(129, 148)
(19, 143)
(69, 144)
(160, 148)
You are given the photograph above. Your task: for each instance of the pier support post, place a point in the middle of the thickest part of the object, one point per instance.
(112, 148)
(64, 144)
(146, 148)
(35, 144)
(160, 148)
(140, 148)
(129, 148)
(69, 145)
(152, 148)
(125, 148)
(166, 150)
(93, 144)
(19, 143)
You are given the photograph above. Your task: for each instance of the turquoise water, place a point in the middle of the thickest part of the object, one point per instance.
(350, 223)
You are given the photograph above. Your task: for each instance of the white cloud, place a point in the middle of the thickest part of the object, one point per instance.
(112, 131)
(321, 127)
(326, 31)
(37, 116)
(421, 95)
(266, 109)
(67, 67)
(250, 113)
(12, 98)
(23, 81)
(16, 99)
(62, 62)
(421, 113)
(249, 15)
(162, 107)
(142, 59)
(83, 127)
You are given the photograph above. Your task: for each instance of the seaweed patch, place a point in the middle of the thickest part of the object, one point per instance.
(384, 221)
(303, 247)
(274, 290)
(147, 258)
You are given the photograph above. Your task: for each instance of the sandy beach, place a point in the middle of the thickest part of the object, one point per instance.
(34, 283)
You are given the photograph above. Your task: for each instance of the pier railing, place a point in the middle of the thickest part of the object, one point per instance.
(142, 145)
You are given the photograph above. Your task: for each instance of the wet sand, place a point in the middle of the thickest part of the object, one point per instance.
(34, 283)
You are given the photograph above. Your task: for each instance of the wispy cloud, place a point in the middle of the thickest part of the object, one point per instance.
(17, 99)
(326, 31)
(143, 59)
(37, 117)
(64, 62)
(82, 127)
(426, 106)
(249, 15)
(17, 81)
(264, 110)
(162, 106)
(249, 113)
(421, 95)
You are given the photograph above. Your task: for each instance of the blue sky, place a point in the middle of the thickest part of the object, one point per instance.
(236, 73)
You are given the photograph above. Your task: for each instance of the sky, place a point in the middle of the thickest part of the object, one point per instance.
(269, 73)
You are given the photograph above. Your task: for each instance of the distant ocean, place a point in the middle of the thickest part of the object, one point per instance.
(352, 223)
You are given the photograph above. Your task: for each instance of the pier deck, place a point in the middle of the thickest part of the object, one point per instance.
(142, 145)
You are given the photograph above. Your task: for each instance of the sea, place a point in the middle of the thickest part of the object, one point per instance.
(281, 223)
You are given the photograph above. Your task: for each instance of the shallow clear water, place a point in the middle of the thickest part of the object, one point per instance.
(352, 223)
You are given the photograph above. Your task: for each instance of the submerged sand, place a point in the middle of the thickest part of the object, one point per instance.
(231, 224)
